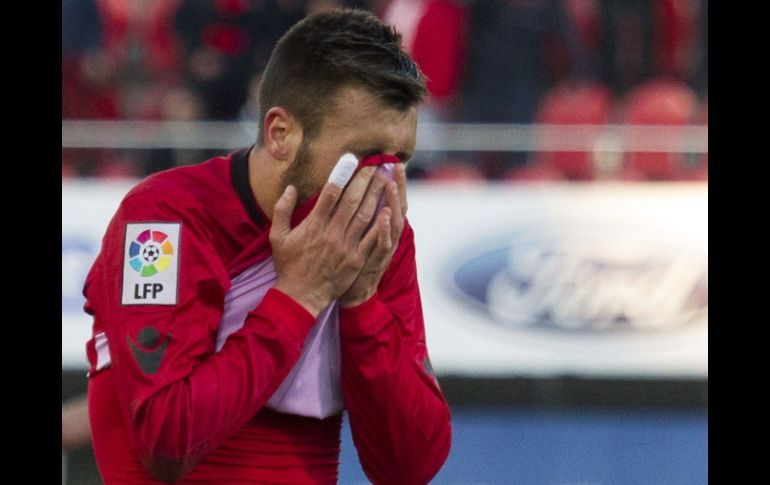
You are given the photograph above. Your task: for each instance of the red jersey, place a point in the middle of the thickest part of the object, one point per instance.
(166, 405)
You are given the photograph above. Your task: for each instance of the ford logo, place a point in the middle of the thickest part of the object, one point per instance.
(581, 283)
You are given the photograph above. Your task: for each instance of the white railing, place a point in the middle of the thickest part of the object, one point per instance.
(430, 137)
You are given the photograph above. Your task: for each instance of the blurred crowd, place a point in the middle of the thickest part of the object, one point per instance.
(487, 61)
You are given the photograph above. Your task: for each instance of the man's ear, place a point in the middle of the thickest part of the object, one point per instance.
(282, 135)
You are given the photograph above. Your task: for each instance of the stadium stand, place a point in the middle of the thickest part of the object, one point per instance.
(148, 86)
(657, 102)
(571, 104)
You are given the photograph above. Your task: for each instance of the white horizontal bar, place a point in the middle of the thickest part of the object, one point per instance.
(218, 135)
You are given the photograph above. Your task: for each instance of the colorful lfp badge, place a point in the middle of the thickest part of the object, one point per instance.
(151, 264)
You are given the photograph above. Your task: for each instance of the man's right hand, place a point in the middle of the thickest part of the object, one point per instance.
(318, 260)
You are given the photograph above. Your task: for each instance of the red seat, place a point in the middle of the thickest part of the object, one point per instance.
(68, 171)
(699, 171)
(658, 102)
(704, 118)
(116, 168)
(572, 104)
(453, 172)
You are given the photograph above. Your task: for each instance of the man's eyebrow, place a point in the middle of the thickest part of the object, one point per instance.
(404, 156)
(363, 153)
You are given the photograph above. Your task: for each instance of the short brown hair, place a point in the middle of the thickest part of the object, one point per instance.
(324, 52)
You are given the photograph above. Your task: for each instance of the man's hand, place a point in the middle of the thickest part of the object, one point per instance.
(389, 224)
(318, 260)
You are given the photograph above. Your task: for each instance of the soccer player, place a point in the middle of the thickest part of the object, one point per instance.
(242, 304)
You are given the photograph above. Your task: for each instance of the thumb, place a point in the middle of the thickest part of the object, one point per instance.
(284, 208)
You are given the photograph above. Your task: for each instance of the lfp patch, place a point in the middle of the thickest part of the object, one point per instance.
(151, 263)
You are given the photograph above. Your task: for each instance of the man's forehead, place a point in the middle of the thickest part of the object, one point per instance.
(354, 106)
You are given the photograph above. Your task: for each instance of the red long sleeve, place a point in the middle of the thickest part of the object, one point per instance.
(164, 401)
(399, 418)
(193, 399)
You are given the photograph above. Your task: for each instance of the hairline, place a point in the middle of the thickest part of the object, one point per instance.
(332, 100)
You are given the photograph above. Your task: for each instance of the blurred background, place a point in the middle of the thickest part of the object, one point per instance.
(559, 198)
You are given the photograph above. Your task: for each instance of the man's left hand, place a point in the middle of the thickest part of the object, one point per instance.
(390, 224)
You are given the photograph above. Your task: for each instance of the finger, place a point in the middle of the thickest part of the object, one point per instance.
(332, 191)
(351, 199)
(374, 234)
(400, 178)
(380, 255)
(343, 171)
(394, 202)
(284, 207)
(384, 241)
(365, 213)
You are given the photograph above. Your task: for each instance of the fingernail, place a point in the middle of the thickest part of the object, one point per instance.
(343, 171)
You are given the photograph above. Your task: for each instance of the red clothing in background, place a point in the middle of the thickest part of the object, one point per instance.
(434, 34)
(439, 46)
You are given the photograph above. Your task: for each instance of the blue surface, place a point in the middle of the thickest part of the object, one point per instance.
(566, 448)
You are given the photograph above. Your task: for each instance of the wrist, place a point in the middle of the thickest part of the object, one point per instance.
(312, 301)
(353, 300)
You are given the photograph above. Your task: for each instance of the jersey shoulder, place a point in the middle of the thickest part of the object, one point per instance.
(183, 191)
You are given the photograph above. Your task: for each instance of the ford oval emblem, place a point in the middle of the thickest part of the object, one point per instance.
(568, 282)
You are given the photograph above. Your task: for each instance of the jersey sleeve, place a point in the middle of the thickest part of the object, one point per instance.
(399, 418)
(179, 399)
